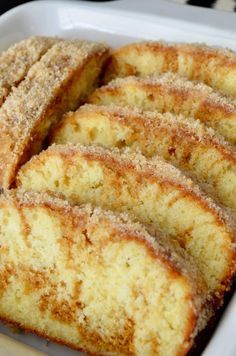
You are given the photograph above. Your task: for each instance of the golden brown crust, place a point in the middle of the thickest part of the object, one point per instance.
(190, 128)
(171, 93)
(16, 325)
(213, 66)
(183, 142)
(128, 160)
(183, 350)
(120, 229)
(122, 166)
(158, 246)
(17, 60)
(41, 99)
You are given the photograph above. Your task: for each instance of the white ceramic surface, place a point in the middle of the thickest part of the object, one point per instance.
(120, 22)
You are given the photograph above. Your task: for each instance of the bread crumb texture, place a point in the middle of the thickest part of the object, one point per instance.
(184, 142)
(16, 61)
(119, 238)
(157, 193)
(92, 280)
(213, 66)
(58, 82)
(172, 93)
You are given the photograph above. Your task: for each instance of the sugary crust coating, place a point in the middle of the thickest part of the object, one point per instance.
(170, 92)
(213, 66)
(122, 229)
(129, 164)
(151, 119)
(122, 222)
(155, 133)
(17, 60)
(36, 105)
(52, 86)
(155, 167)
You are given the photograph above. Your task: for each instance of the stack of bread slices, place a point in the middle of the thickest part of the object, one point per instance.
(117, 212)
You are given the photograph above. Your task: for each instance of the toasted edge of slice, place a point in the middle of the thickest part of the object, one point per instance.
(16, 61)
(213, 66)
(92, 279)
(63, 77)
(186, 143)
(172, 93)
(155, 192)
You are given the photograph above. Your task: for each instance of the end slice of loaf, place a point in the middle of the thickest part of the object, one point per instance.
(186, 143)
(57, 83)
(16, 61)
(172, 93)
(94, 281)
(155, 192)
(213, 66)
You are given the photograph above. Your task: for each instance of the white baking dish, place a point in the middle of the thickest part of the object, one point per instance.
(120, 22)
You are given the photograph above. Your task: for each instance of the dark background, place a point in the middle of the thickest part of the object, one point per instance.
(204, 3)
(7, 5)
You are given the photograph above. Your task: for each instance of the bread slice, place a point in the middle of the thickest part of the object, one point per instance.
(186, 143)
(57, 83)
(172, 93)
(17, 60)
(93, 280)
(213, 66)
(155, 192)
